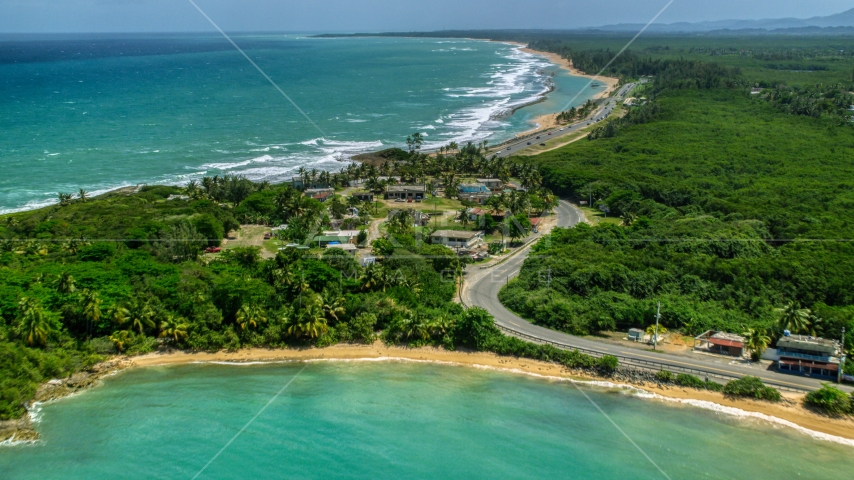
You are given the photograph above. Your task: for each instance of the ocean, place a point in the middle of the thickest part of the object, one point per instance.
(389, 420)
(102, 112)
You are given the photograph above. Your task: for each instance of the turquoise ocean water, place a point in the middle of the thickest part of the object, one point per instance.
(396, 420)
(103, 112)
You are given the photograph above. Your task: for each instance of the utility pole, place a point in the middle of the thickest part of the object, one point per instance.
(841, 359)
(655, 335)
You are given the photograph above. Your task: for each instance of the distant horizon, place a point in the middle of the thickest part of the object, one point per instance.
(381, 16)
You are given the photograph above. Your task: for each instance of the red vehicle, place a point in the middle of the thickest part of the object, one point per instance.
(213, 250)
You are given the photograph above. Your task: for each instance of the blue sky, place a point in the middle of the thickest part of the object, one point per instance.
(40, 16)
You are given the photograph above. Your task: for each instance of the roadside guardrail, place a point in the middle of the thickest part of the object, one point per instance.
(647, 364)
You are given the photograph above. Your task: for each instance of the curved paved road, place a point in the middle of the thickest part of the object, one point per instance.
(482, 287)
(598, 115)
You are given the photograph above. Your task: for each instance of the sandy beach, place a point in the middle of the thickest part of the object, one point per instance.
(546, 122)
(789, 412)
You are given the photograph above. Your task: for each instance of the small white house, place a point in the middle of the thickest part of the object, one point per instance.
(457, 238)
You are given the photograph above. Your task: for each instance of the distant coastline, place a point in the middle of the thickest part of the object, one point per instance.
(548, 121)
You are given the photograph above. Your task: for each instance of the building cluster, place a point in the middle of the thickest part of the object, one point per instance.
(797, 354)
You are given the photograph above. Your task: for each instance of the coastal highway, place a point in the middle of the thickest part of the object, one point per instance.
(599, 114)
(482, 285)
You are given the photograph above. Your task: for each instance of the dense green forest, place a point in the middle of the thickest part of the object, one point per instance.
(732, 207)
(127, 273)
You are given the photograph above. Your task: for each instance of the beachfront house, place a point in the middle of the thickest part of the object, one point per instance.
(720, 342)
(805, 355)
(406, 192)
(457, 238)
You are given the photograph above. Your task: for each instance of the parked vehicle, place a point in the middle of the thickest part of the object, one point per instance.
(213, 250)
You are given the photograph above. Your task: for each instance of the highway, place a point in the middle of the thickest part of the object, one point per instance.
(482, 284)
(598, 115)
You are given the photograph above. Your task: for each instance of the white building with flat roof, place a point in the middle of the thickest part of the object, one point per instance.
(457, 238)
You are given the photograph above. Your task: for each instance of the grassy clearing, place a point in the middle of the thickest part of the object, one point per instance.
(599, 218)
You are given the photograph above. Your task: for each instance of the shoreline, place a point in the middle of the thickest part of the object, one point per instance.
(547, 121)
(790, 412)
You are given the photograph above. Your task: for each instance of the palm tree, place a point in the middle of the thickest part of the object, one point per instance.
(119, 314)
(334, 309)
(282, 277)
(464, 217)
(64, 199)
(756, 341)
(373, 276)
(139, 314)
(34, 324)
(91, 307)
(794, 318)
(650, 330)
(65, 284)
(309, 323)
(119, 339)
(174, 328)
(816, 325)
(251, 316)
(440, 325)
(628, 219)
(83, 195)
(414, 327)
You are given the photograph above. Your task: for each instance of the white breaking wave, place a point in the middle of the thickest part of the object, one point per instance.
(231, 166)
(512, 81)
(744, 414)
